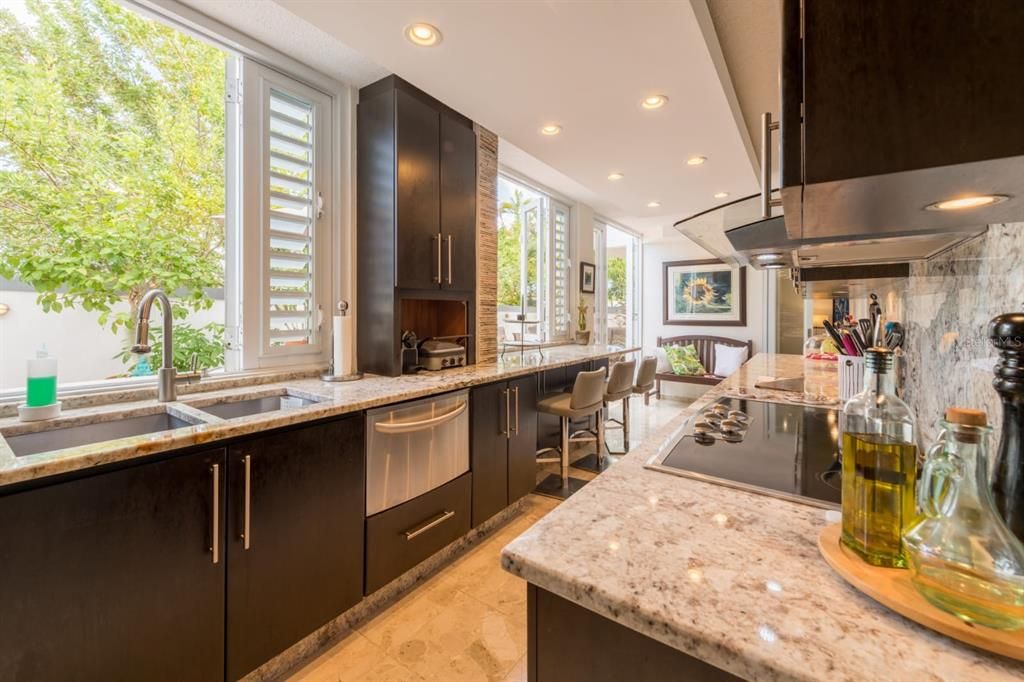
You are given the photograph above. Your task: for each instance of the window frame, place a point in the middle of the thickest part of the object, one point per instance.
(335, 260)
(546, 270)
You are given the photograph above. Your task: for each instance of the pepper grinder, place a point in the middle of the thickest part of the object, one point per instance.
(1006, 333)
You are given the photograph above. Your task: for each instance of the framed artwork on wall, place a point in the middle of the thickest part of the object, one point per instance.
(704, 293)
(587, 276)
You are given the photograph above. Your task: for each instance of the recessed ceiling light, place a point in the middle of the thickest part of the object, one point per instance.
(615, 176)
(654, 102)
(696, 160)
(551, 129)
(721, 195)
(653, 204)
(422, 34)
(974, 201)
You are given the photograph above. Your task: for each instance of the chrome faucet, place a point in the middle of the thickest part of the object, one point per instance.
(167, 375)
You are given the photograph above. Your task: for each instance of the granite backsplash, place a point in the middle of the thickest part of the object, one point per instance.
(946, 306)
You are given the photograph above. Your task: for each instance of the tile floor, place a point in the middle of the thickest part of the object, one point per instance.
(468, 620)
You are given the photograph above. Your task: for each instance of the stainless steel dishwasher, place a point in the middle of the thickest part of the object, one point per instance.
(415, 447)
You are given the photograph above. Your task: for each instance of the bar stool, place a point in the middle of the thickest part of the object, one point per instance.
(645, 378)
(618, 388)
(585, 400)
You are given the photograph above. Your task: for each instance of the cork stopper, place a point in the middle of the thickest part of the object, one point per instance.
(966, 416)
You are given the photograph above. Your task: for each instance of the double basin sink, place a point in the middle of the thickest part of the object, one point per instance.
(166, 418)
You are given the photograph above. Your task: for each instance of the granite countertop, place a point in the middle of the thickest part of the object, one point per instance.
(333, 399)
(729, 577)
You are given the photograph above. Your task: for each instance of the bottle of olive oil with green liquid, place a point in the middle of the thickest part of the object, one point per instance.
(879, 456)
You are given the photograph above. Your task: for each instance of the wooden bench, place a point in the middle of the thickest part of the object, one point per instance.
(705, 346)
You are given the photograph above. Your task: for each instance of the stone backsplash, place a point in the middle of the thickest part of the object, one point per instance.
(946, 306)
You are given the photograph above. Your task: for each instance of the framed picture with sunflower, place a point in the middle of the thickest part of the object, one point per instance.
(706, 293)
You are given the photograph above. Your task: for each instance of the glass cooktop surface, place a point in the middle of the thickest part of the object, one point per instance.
(785, 450)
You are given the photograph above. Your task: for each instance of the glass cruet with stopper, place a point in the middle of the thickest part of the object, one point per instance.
(963, 558)
(879, 460)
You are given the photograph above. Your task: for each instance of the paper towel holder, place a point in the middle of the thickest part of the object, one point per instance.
(330, 376)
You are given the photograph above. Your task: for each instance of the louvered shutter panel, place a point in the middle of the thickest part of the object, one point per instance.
(560, 275)
(293, 208)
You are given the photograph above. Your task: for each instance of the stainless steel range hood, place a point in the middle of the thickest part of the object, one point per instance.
(737, 233)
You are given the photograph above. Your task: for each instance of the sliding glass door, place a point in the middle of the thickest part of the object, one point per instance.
(618, 296)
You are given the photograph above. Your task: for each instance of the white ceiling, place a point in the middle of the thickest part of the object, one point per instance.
(514, 66)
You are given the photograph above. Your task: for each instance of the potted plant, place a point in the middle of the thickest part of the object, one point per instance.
(582, 333)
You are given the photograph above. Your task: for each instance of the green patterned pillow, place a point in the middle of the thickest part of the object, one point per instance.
(684, 360)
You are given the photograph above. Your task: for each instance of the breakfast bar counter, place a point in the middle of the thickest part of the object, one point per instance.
(724, 577)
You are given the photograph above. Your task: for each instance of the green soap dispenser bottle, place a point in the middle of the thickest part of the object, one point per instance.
(41, 387)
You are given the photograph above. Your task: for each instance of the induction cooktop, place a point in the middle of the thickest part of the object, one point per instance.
(783, 450)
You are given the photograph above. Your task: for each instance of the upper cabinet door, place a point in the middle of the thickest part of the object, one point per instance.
(418, 240)
(900, 86)
(458, 203)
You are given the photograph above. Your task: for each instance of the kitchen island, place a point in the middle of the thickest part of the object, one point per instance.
(661, 572)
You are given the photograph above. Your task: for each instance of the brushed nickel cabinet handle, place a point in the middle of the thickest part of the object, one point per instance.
(439, 277)
(450, 238)
(516, 389)
(422, 424)
(215, 531)
(767, 126)
(433, 523)
(508, 427)
(247, 508)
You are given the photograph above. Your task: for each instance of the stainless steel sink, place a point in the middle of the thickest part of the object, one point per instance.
(85, 434)
(233, 409)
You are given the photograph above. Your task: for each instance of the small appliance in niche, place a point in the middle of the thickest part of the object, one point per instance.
(442, 352)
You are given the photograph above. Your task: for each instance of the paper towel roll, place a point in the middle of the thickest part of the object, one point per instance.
(341, 343)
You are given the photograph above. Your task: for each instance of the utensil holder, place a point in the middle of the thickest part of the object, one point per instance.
(851, 376)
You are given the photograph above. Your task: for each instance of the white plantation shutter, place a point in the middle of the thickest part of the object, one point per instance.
(287, 256)
(291, 317)
(560, 271)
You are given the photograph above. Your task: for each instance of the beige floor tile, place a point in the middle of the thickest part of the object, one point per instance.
(518, 672)
(355, 659)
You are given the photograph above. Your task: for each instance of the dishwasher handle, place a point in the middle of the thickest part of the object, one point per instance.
(420, 424)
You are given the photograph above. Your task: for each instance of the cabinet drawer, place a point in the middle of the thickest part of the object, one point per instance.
(401, 537)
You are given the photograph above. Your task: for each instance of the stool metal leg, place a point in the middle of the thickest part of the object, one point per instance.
(561, 485)
(599, 460)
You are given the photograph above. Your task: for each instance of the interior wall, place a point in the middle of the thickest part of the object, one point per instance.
(681, 249)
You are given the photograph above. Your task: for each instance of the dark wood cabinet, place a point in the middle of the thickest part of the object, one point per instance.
(400, 537)
(888, 106)
(458, 204)
(417, 191)
(416, 222)
(503, 444)
(522, 442)
(112, 576)
(295, 511)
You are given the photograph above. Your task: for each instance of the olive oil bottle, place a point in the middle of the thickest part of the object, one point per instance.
(879, 458)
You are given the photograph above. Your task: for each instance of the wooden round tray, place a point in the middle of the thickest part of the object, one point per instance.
(891, 587)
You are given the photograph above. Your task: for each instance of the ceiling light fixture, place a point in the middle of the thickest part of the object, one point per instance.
(423, 34)
(974, 201)
(551, 130)
(654, 102)
(774, 266)
(696, 160)
(653, 204)
(721, 195)
(774, 256)
(615, 176)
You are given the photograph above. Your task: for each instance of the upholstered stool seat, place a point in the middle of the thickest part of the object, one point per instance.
(618, 389)
(585, 400)
(644, 384)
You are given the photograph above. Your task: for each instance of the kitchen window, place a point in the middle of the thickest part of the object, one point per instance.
(137, 154)
(534, 263)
